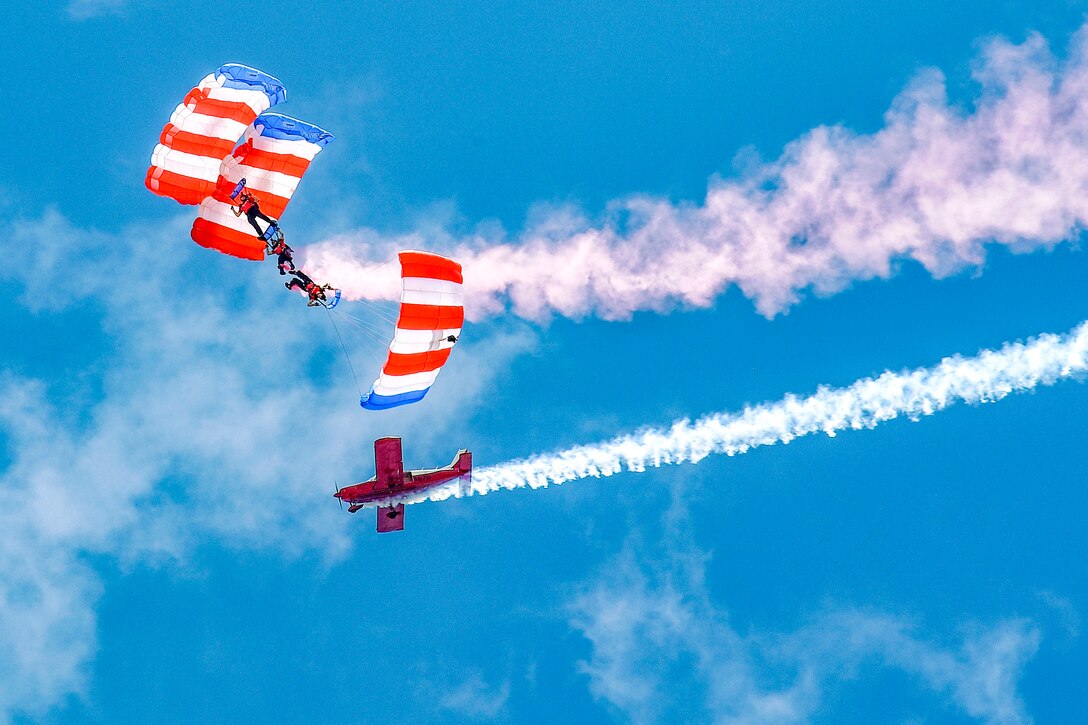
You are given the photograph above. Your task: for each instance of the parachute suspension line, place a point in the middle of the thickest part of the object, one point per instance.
(386, 314)
(345, 349)
(377, 266)
(381, 330)
(372, 334)
(371, 350)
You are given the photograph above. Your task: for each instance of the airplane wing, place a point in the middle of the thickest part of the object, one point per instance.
(390, 518)
(388, 462)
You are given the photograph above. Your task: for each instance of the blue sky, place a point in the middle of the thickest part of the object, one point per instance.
(173, 422)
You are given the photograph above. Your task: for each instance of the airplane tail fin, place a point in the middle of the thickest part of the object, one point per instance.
(463, 465)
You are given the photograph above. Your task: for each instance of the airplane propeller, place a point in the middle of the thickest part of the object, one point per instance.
(337, 487)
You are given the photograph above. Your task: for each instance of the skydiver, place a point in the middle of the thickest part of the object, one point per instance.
(284, 254)
(313, 290)
(248, 204)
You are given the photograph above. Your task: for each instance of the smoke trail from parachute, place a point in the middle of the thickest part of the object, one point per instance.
(985, 378)
(936, 185)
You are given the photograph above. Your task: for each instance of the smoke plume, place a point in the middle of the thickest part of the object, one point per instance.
(936, 185)
(985, 378)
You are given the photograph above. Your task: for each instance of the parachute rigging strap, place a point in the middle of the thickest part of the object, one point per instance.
(345, 349)
(377, 266)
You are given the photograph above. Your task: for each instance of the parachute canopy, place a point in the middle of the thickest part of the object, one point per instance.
(198, 159)
(273, 156)
(429, 323)
(204, 129)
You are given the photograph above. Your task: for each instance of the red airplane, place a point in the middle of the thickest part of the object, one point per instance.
(392, 485)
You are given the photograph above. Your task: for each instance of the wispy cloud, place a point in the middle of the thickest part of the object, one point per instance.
(663, 651)
(207, 404)
(935, 185)
(87, 9)
(475, 698)
(980, 675)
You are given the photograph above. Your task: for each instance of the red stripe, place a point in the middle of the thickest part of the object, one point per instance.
(420, 362)
(233, 110)
(270, 204)
(226, 240)
(281, 163)
(182, 189)
(194, 143)
(430, 317)
(431, 266)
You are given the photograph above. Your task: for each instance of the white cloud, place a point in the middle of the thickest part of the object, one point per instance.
(475, 698)
(979, 676)
(663, 651)
(87, 9)
(225, 412)
(935, 185)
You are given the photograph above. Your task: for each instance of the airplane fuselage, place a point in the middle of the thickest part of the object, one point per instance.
(391, 485)
(376, 491)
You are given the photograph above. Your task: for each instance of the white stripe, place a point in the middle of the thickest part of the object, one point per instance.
(429, 291)
(204, 125)
(270, 182)
(430, 284)
(397, 384)
(301, 148)
(231, 170)
(256, 100)
(179, 162)
(407, 342)
(219, 213)
(440, 299)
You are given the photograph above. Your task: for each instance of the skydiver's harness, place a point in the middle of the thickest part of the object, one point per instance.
(315, 291)
(280, 247)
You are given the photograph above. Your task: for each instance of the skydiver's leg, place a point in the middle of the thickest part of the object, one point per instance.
(252, 217)
(285, 262)
(257, 212)
(295, 284)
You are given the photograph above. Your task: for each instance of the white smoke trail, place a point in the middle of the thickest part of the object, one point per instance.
(985, 378)
(935, 185)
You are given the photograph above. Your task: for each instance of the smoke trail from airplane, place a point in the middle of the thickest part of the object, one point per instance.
(985, 378)
(935, 185)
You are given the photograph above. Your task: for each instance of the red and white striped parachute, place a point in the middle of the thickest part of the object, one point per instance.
(428, 326)
(197, 162)
(273, 156)
(204, 129)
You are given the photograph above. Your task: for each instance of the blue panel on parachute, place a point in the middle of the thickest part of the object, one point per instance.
(335, 301)
(238, 189)
(370, 401)
(276, 125)
(244, 78)
(270, 232)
